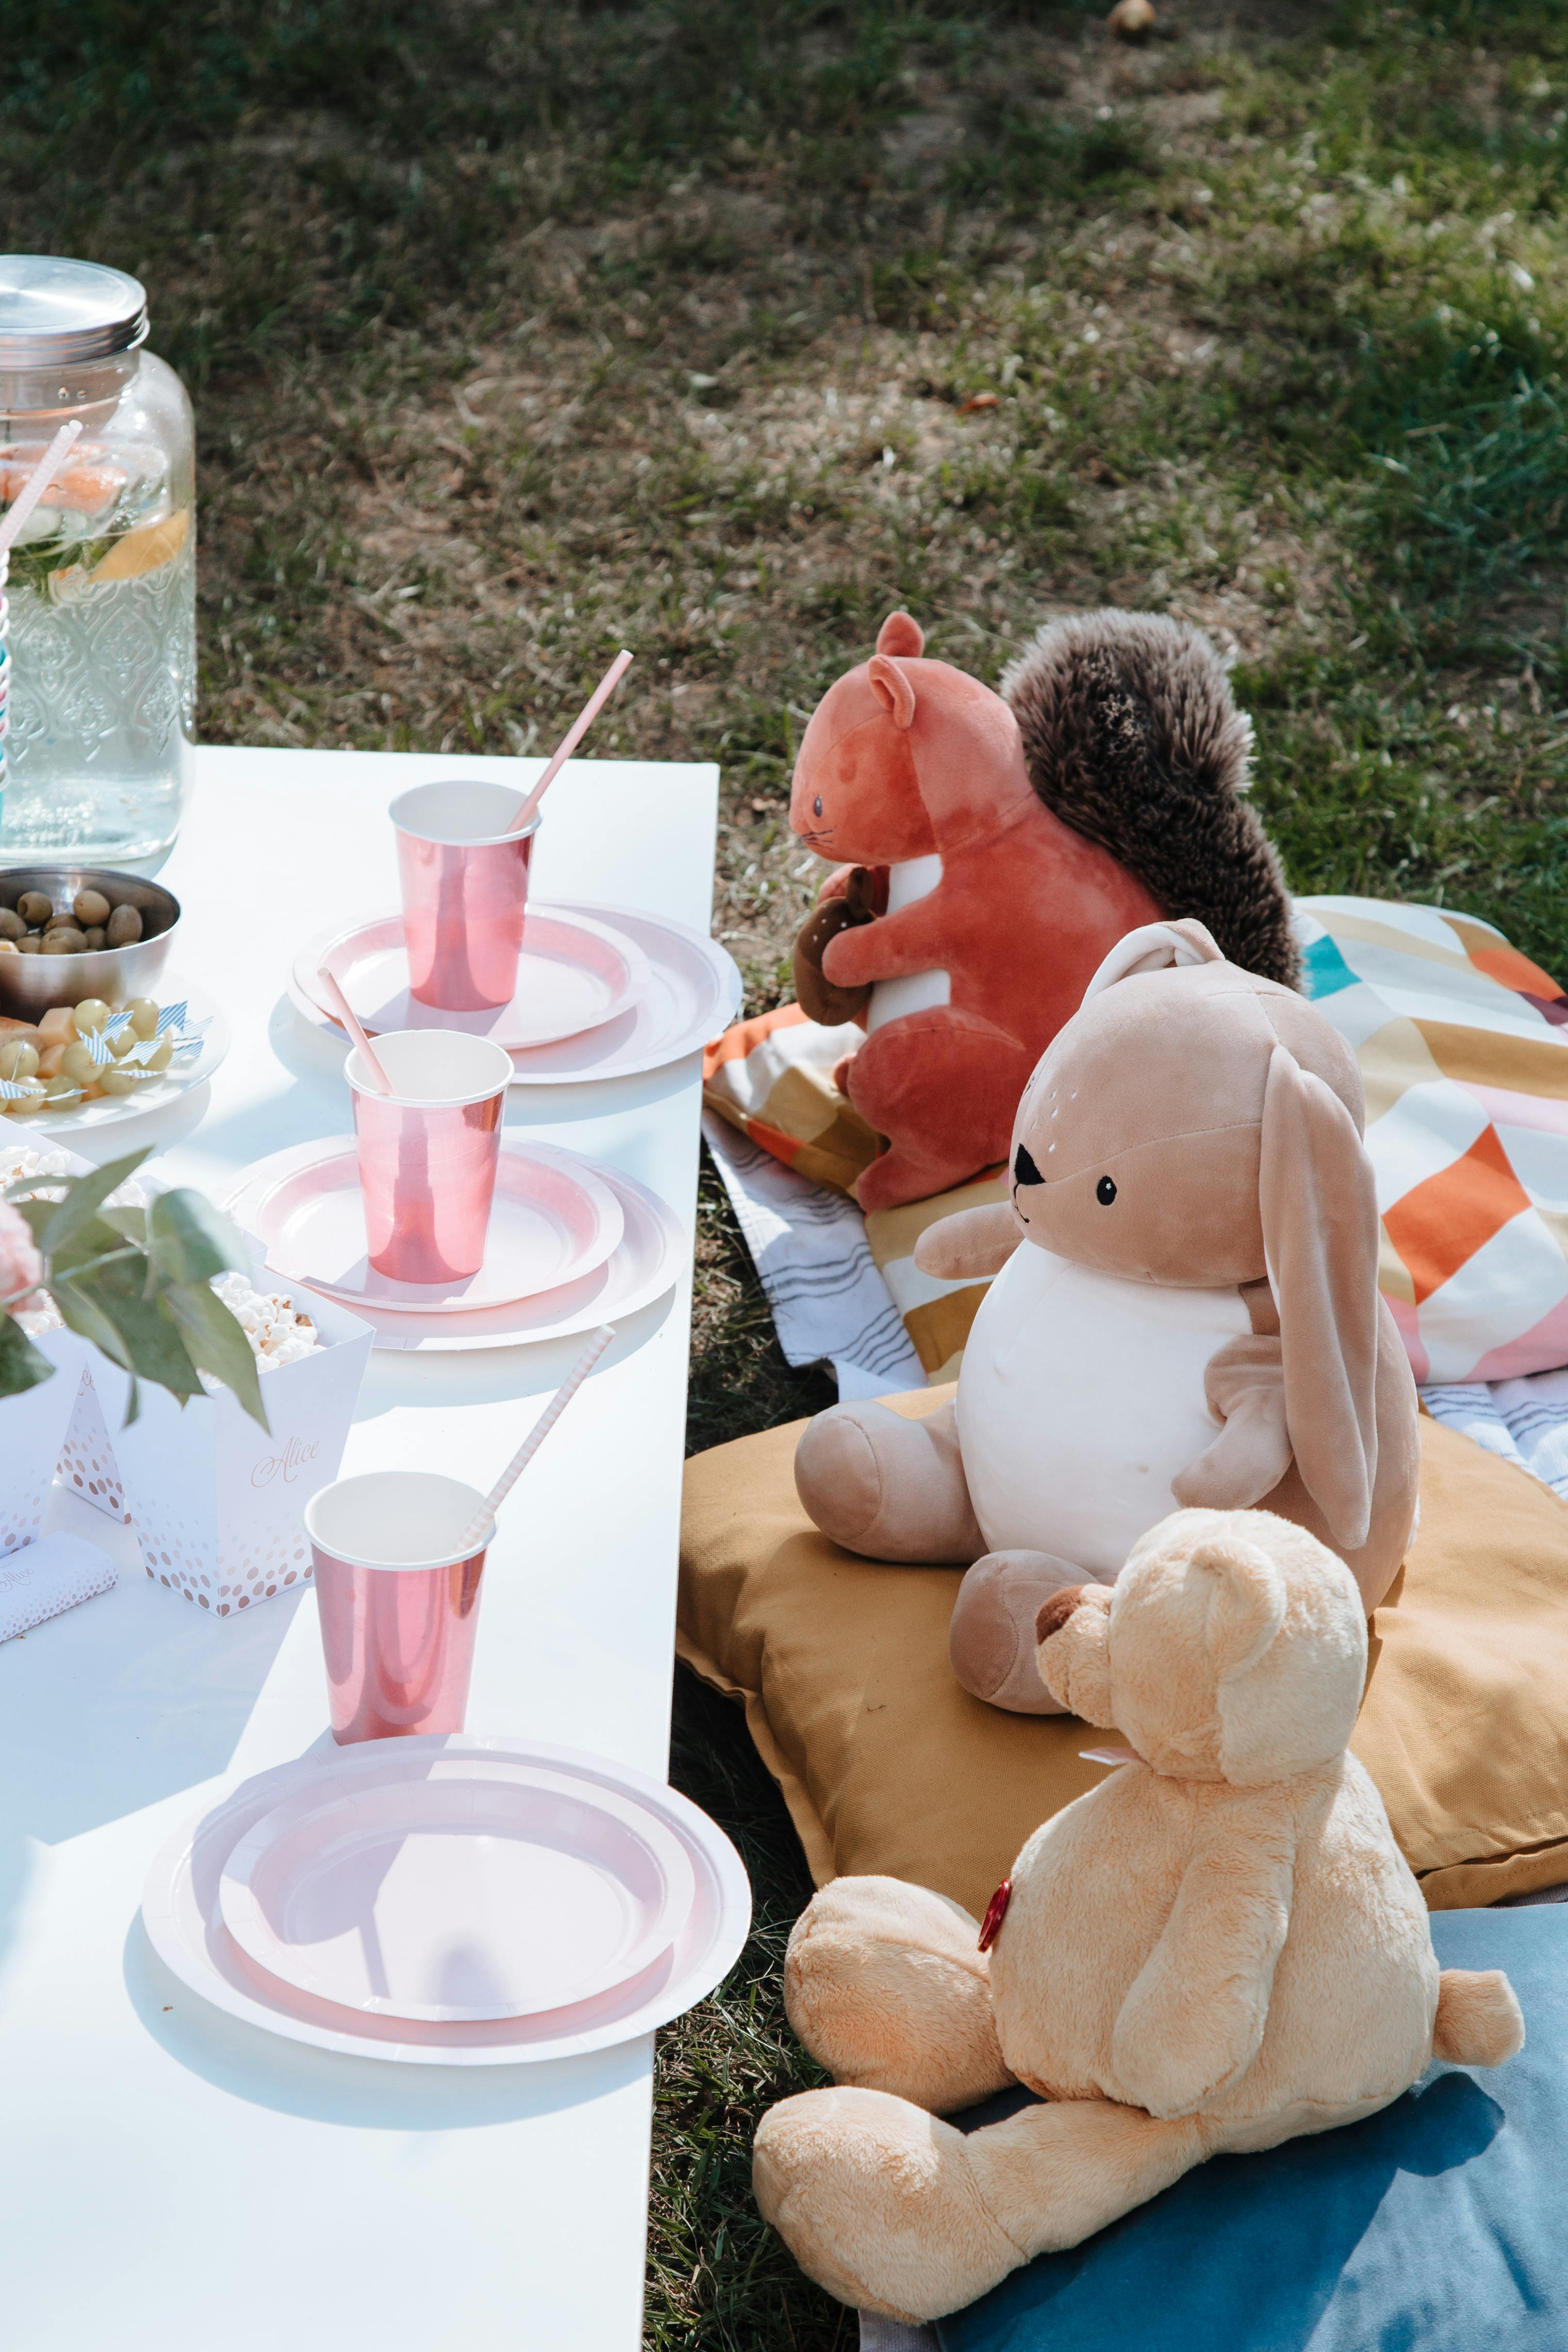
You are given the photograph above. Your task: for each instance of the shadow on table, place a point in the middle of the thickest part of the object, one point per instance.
(324, 2087)
(82, 1743)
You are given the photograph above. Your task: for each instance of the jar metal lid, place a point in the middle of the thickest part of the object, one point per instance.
(57, 313)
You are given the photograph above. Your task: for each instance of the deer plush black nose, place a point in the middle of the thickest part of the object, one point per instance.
(1024, 1170)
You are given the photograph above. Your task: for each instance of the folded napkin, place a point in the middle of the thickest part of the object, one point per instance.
(48, 1576)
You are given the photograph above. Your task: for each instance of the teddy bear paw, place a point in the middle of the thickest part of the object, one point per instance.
(877, 2202)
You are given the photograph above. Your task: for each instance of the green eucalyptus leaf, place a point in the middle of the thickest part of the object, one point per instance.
(84, 1196)
(83, 1316)
(131, 1224)
(217, 1342)
(189, 1241)
(151, 1340)
(35, 1215)
(22, 1366)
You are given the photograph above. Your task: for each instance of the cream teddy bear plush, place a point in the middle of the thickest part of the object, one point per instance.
(1218, 1947)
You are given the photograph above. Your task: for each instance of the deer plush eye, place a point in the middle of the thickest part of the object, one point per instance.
(1105, 1192)
(817, 805)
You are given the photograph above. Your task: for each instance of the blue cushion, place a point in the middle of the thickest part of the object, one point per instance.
(1440, 2225)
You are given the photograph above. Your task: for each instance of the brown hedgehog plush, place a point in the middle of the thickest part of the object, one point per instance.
(997, 845)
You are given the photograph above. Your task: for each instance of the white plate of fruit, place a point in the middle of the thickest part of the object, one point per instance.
(95, 1065)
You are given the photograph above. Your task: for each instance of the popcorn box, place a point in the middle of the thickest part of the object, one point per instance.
(32, 1428)
(217, 1503)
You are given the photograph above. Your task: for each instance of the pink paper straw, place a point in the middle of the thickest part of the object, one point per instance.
(37, 483)
(347, 1015)
(482, 1525)
(573, 737)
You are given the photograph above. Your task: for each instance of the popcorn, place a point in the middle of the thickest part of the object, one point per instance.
(277, 1333)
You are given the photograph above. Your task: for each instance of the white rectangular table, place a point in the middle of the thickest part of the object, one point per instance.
(169, 2180)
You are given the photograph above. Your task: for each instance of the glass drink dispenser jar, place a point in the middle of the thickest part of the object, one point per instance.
(102, 592)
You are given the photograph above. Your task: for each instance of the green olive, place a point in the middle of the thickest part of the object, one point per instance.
(77, 1063)
(124, 927)
(29, 946)
(161, 1055)
(62, 1093)
(12, 927)
(90, 906)
(118, 1081)
(17, 1060)
(95, 936)
(66, 942)
(34, 906)
(91, 1013)
(143, 1015)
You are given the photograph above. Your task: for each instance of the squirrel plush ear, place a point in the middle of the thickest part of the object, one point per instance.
(890, 685)
(901, 634)
(1155, 946)
(1319, 1205)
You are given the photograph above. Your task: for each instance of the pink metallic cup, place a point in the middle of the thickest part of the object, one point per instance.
(428, 1153)
(399, 1600)
(464, 888)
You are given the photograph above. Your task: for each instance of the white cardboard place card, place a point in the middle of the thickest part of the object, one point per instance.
(49, 1575)
(86, 1463)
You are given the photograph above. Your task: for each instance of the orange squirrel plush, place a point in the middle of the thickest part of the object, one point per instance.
(989, 866)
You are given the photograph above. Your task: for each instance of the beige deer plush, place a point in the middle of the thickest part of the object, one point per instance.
(1184, 1310)
(1218, 1947)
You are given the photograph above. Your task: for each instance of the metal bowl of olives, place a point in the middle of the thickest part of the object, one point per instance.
(69, 932)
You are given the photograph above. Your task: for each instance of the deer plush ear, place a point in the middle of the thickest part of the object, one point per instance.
(1155, 946)
(1319, 1205)
(890, 685)
(901, 634)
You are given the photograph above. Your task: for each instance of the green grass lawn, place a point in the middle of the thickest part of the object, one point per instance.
(719, 327)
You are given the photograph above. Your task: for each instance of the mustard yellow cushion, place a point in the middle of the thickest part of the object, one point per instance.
(886, 1765)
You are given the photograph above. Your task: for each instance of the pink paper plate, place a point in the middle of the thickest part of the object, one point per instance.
(693, 996)
(573, 974)
(650, 1253)
(456, 1887)
(554, 1220)
(184, 1924)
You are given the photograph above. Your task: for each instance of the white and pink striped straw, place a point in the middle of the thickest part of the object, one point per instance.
(573, 737)
(482, 1526)
(37, 483)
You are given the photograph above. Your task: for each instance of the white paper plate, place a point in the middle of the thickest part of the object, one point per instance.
(641, 1269)
(180, 1909)
(692, 995)
(554, 1218)
(572, 974)
(457, 1887)
(114, 1110)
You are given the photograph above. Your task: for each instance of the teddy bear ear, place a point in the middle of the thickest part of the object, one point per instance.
(1155, 946)
(890, 685)
(1246, 1602)
(901, 634)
